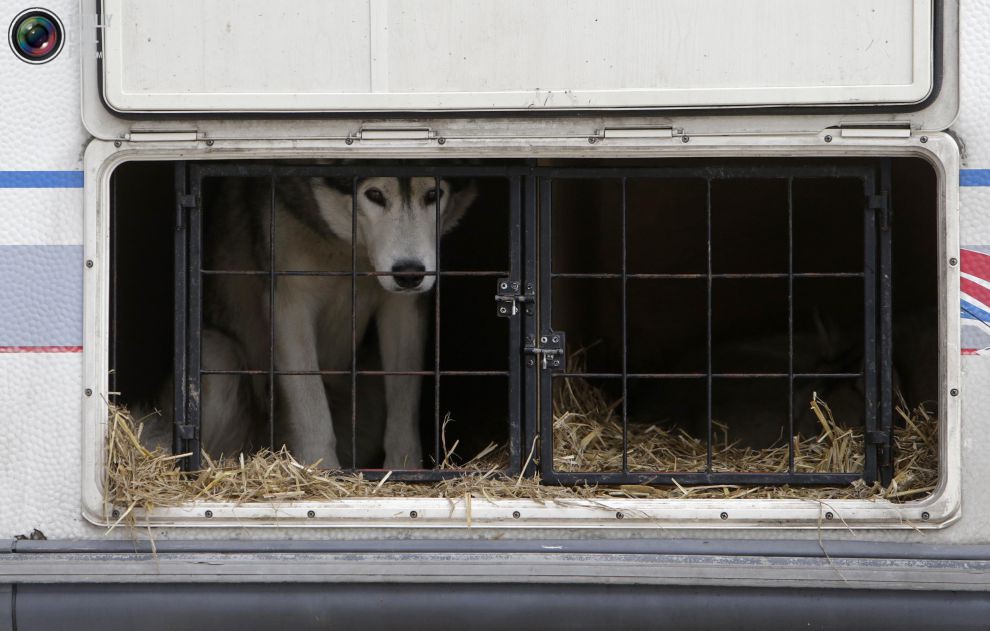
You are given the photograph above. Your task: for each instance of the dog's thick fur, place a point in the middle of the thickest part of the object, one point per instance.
(396, 234)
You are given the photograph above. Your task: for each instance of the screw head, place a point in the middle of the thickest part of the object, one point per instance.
(828, 139)
(556, 338)
(117, 143)
(209, 514)
(413, 514)
(925, 516)
(89, 392)
(556, 362)
(209, 143)
(502, 310)
(724, 515)
(516, 514)
(115, 514)
(530, 362)
(592, 140)
(954, 392)
(620, 516)
(441, 141)
(311, 514)
(544, 339)
(953, 261)
(685, 139)
(924, 139)
(348, 141)
(829, 516)
(504, 285)
(89, 263)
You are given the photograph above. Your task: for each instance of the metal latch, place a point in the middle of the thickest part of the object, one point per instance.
(550, 350)
(509, 296)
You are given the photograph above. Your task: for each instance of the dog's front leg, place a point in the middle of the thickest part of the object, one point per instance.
(303, 406)
(401, 323)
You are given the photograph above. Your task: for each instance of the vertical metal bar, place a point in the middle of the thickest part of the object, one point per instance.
(870, 327)
(195, 325)
(625, 342)
(708, 304)
(114, 225)
(545, 325)
(272, 288)
(180, 307)
(354, 399)
(531, 412)
(790, 325)
(516, 274)
(437, 429)
(885, 457)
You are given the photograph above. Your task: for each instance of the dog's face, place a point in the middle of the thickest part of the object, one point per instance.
(396, 222)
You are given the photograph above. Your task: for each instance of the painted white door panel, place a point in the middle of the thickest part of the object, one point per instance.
(458, 55)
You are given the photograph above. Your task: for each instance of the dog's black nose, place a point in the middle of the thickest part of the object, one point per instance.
(408, 274)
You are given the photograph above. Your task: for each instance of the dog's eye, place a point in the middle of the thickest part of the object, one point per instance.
(432, 195)
(376, 196)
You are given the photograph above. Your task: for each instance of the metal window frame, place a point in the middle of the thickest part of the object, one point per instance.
(939, 509)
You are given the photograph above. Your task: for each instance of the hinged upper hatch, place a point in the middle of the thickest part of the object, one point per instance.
(425, 56)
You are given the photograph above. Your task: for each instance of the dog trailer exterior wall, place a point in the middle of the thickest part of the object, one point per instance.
(54, 322)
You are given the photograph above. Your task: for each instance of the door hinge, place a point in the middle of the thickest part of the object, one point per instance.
(637, 132)
(510, 295)
(163, 136)
(892, 130)
(549, 349)
(387, 133)
(881, 203)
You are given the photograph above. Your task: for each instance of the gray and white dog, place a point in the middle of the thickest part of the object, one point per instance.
(396, 236)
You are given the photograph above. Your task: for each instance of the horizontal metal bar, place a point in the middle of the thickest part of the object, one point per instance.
(365, 373)
(712, 172)
(684, 479)
(219, 272)
(700, 375)
(702, 276)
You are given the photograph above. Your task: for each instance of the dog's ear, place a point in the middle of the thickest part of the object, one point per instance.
(463, 192)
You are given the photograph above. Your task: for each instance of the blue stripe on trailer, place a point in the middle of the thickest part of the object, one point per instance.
(974, 177)
(42, 289)
(41, 179)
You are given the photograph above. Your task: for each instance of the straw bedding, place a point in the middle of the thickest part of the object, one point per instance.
(587, 437)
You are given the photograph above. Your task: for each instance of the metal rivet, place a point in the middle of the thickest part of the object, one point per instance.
(924, 139)
(502, 310)
(89, 392)
(209, 143)
(954, 392)
(117, 143)
(504, 285)
(953, 261)
(516, 514)
(556, 338)
(441, 141)
(592, 140)
(89, 263)
(413, 514)
(724, 515)
(828, 139)
(685, 139)
(529, 286)
(556, 362)
(311, 514)
(348, 141)
(925, 516)
(620, 516)
(530, 362)
(115, 514)
(828, 516)
(209, 514)
(543, 339)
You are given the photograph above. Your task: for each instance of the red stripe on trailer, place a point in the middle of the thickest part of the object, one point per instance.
(41, 349)
(975, 263)
(974, 289)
